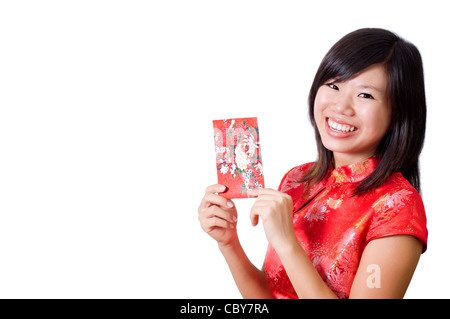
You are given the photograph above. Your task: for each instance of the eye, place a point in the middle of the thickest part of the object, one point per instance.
(334, 87)
(366, 96)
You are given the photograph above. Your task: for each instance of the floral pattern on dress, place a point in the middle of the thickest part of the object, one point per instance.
(334, 227)
(316, 212)
(238, 155)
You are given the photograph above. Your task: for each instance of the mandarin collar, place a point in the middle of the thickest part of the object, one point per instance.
(353, 173)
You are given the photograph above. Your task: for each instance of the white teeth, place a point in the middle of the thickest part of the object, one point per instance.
(340, 127)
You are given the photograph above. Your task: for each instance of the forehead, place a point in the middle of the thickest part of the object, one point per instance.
(373, 77)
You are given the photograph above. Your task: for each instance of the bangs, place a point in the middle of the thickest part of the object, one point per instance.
(354, 53)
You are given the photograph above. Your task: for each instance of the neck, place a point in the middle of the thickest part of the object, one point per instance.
(343, 159)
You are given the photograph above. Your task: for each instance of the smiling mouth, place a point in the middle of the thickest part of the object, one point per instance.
(340, 128)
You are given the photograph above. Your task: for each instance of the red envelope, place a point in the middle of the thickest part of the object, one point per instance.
(238, 156)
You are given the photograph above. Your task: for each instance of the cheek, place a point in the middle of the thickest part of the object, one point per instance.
(316, 114)
(377, 124)
(319, 103)
(319, 119)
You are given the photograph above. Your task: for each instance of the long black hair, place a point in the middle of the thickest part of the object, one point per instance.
(400, 148)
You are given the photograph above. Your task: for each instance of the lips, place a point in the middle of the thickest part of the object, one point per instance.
(340, 127)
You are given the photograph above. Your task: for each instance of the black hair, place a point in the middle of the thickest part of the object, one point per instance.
(400, 148)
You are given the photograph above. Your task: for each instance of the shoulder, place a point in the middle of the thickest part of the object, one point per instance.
(396, 192)
(293, 177)
(398, 209)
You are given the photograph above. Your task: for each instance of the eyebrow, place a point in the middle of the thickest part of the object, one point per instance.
(368, 86)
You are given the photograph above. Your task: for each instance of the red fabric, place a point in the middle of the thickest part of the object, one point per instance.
(334, 228)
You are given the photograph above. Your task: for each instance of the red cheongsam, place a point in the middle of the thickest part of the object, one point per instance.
(334, 228)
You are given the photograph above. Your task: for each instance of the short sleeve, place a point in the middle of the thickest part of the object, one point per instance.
(399, 213)
(282, 185)
(301, 192)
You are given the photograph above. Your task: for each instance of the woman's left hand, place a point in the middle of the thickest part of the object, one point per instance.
(275, 210)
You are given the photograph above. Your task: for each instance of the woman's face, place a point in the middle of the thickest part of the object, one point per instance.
(353, 116)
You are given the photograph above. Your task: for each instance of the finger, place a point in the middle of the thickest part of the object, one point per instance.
(255, 213)
(214, 222)
(254, 218)
(271, 195)
(259, 210)
(216, 188)
(216, 211)
(255, 192)
(214, 199)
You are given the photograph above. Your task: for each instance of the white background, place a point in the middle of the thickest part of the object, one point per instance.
(106, 141)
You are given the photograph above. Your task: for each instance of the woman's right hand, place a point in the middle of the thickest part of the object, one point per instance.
(218, 215)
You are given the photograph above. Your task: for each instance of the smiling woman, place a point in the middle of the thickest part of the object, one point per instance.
(359, 204)
(380, 60)
(352, 116)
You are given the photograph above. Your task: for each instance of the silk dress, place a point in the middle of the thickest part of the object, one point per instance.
(334, 227)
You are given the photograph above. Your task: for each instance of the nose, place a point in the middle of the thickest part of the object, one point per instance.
(343, 104)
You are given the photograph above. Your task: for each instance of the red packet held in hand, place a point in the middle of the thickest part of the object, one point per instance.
(238, 156)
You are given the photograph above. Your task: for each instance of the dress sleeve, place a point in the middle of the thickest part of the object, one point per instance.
(281, 187)
(399, 213)
(291, 180)
(301, 192)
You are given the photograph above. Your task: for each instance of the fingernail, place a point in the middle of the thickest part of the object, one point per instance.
(222, 188)
(229, 204)
(234, 218)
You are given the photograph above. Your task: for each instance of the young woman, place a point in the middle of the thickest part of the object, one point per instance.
(352, 224)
